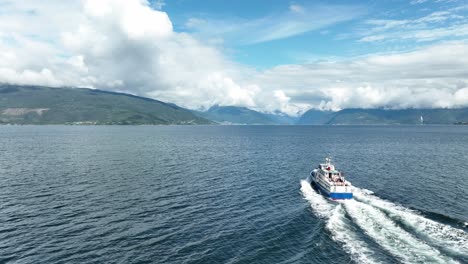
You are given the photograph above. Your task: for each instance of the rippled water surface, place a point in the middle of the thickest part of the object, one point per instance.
(231, 194)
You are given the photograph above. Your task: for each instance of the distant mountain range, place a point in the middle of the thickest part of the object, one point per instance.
(46, 105)
(315, 117)
(241, 115)
(384, 116)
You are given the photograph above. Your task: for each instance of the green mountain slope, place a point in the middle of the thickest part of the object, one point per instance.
(236, 115)
(404, 116)
(383, 116)
(45, 105)
(281, 118)
(315, 117)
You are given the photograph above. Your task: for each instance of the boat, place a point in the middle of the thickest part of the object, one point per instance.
(331, 182)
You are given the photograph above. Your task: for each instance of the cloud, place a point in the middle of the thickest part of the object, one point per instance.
(120, 45)
(421, 35)
(436, 26)
(104, 44)
(45, 76)
(296, 9)
(416, 2)
(158, 4)
(435, 76)
(295, 21)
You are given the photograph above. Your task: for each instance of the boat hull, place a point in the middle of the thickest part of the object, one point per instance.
(330, 194)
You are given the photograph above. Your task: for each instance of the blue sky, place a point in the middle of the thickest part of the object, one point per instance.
(287, 56)
(318, 29)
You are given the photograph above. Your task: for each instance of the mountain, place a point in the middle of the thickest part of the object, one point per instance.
(315, 117)
(244, 116)
(281, 118)
(403, 116)
(46, 105)
(236, 115)
(384, 116)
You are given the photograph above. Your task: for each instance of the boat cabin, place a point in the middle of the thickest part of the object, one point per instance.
(332, 175)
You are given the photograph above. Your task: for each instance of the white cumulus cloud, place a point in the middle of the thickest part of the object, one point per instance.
(122, 45)
(435, 76)
(129, 46)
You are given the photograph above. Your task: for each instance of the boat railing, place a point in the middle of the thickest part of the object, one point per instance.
(340, 184)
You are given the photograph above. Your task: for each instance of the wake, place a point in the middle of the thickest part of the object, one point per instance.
(334, 215)
(379, 220)
(444, 236)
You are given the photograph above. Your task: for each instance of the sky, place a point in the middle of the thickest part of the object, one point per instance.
(287, 56)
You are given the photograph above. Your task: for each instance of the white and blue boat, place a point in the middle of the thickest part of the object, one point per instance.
(331, 182)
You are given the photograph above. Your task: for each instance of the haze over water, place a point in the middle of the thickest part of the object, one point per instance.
(231, 194)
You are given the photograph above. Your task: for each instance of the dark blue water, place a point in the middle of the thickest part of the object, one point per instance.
(231, 194)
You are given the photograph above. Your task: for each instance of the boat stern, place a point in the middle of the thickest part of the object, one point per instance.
(341, 196)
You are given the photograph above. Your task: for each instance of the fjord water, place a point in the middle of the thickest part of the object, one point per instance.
(231, 194)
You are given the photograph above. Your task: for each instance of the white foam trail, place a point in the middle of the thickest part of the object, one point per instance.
(320, 205)
(450, 238)
(336, 225)
(392, 237)
(365, 190)
(352, 244)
